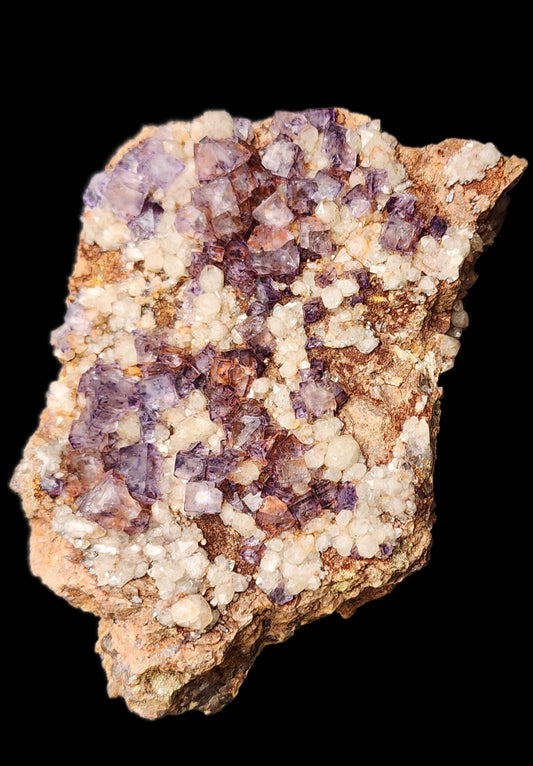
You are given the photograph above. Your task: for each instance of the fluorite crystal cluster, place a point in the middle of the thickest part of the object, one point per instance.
(243, 431)
(254, 213)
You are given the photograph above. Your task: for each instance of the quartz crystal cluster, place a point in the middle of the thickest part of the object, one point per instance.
(243, 432)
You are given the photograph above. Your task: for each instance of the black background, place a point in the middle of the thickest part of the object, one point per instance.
(440, 664)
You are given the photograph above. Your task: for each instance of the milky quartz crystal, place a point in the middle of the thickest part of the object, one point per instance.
(242, 435)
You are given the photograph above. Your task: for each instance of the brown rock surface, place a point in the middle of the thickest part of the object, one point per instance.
(160, 668)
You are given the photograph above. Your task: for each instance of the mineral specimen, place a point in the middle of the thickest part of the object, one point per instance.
(242, 437)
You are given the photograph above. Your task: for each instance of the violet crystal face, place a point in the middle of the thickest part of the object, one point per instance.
(242, 437)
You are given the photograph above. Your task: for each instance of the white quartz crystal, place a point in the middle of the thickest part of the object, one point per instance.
(471, 162)
(191, 611)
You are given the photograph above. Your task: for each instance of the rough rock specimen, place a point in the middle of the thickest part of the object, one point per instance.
(242, 436)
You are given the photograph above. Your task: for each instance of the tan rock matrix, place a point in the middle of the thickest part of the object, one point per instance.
(242, 436)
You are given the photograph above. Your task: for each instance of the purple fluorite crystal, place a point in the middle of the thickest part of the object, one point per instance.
(126, 186)
(85, 468)
(191, 222)
(274, 516)
(315, 236)
(273, 211)
(316, 397)
(261, 444)
(126, 190)
(247, 427)
(326, 492)
(216, 197)
(327, 186)
(219, 467)
(247, 180)
(202, 497)
(94, 192)
(346, 497)
(203, 360)
(222, 402)
(140, 466)
(242, 129)
(144, 225)
(283, 157)
(266, 292)
(305, 508)
(238, 274)
(403, 228)
(359, 200)
(279, 596)
(109, 396)
(265, 238)
(289, 472)
(147, 346)
(437, 227)
(327, 276)
(254, 331)
(214, 158)
(287, 123)
(252, 550)
(315, 371)
(158, 392)
(337, 149)
(301, 195)
(298, 404)
(341, 397)
(52, 486)
(185, 380)
(313, 310)
(190, 464)
(157, 166)
(376, 180)
(320, 118)
(401, 203)
(110, 505)
(363, 279)
(401, 233)
(313, 342)
(284, 262)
